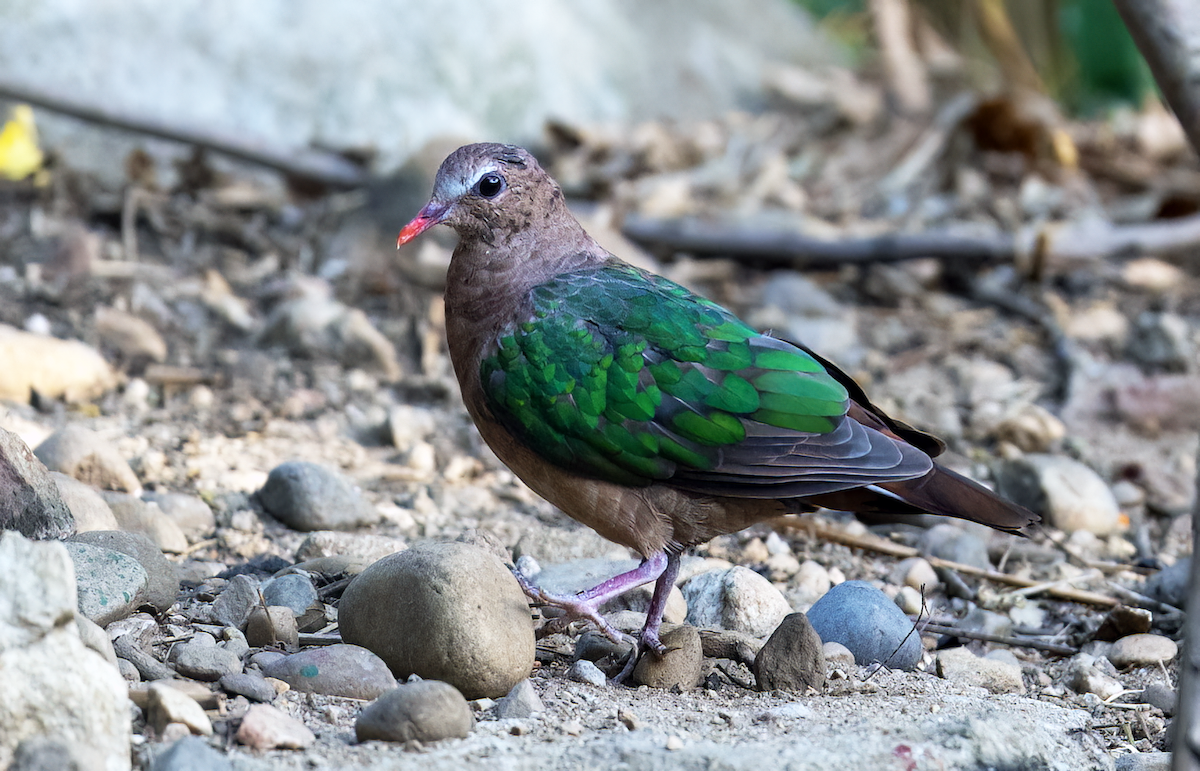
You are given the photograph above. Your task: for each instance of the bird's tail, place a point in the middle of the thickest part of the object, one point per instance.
(951, 494)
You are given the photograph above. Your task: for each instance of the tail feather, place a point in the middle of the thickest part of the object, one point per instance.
(951, 494)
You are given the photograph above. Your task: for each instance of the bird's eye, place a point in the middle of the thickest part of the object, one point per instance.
(490, 185)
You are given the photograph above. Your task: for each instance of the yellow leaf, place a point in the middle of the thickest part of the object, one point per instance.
(20, 155)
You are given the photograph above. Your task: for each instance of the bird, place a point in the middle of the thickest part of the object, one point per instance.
(644, 411)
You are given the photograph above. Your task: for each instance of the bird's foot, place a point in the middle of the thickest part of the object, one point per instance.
(648, 642)
(574, 609)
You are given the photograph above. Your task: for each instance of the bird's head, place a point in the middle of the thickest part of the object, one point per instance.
(484, 191)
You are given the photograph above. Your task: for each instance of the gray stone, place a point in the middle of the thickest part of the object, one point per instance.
(680, 667)
(189, 512)
(52, 683)
(363, 548)
(86, 456)
(204, 661)
(1085, 676)
(249, 684)
(30, 502)
(1162, 696)
(1171, 583)
(1144, 761)
(272, 625)
(792, 658)
(584, 671)
(110, 585)
(137, 516)
(233, 605)
(961, 666)
(1068, 494)
(837, 656)
(265, 728)
(1142, 650)
(162, 585)
(292, 591)
(521, 702)
(425, 711)
(96, 638)
(1162, 340)
(862, 618)
(737, 599)
(308, 496)
(951, 542)
(89, 508)
(44, 753)
(191, 753)
(334, 670)
(443, 611)
(167, 704)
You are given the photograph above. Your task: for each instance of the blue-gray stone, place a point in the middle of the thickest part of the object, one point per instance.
(870, 625)
(308, 496)
(191, 753)
(292, 591)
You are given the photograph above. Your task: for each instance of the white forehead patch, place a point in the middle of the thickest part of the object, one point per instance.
(452, 187)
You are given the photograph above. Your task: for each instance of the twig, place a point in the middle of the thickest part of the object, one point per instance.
(1029, 591)
(308, 164)
(905, 73)
(1143, 601)
(1018, 642)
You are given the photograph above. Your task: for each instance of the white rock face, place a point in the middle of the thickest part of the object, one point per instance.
(392, 75)
(738, 599)
(51, 684)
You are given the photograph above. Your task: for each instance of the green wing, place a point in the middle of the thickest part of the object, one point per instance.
(623, 375)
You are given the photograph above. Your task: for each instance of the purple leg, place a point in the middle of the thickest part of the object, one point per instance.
(586, 605)
(648, 641)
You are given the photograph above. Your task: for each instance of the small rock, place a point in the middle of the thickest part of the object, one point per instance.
(951, 542)
(110, 585)
(266, 728)
(521, 702)
(444, 611)
(96, 638)
(1122, 621)
(594, 645)
(364, 548)
(166, 704)
(811, 581)
(584, 671)
(738, 599)
(1031, 428)
(961, 666)
(1162, 696)
(629, 720)
(1144, 761)
(674, 743)
(43, 753)
(1142, 650)
(425, 711)
(133, 337)
(792, 711)
(273, 625)
(292, 591)
(837, 656)
(86, 456)
(1162, 340)
(1171, 583)
(189, 512)
(1086, 677)
(251, 685)
(235, 602)
(191, 753)
(30, 502)
(792, 658)
(55, 369)
(725, 644)
(89, 508)
(1068, 494)
(334, 670)
(915, 572)
(161, 585)
(137, 516)
(870, 625)
(909, 600)
(987, 622)
(308, 496)
(316, 324)
(679, 667)
(204, 661)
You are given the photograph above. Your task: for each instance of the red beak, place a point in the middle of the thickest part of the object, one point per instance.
(432, 214)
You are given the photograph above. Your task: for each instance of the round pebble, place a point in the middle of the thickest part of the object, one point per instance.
(266, 728)
(201, 659)
(914, 572)
(1142, 650)
(86, 456)
(792, 658)
(584, 671)
(272, 625)
(110, 585)
(189, 512)
(443, 611)
(425, 711)
(870, 625)
(308, 496)
(334, 670)
(251, 685)
(951, 542)
(680, 667)
(161, 585)
(137, 516)
(291, 591)
(521, 702)
(961, 666)
(738, 599)
(837, 656)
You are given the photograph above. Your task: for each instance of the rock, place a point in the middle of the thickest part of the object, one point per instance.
(443, 611)
(738, 599)
(308, 496)
(909, 600)
(1031, 428)
(137, 516)
(837, 656)
(86, 456)
(266, 728)
(53, 684)
(363, 548)
(1162, 340)
(190, 513)
(915, 572)
(292, 591)
(792, 658)
(593, 645)
(870, 625)
(811, 581)
(1170, 585)
(1144, 761)
(1068, 494)
(951, 542)
(89, 508)
(161, 584)
(273, 625)
(1142, 650)
(43, 753)
(1086, 677)
(318, 325)
(793, 711)
(584, 671)
(110, 585)
(1162, 696)
(53, 368)
(30, 502)
(233, 605)
(133, 338)
(201, 659)
(521, 702)
(961, 666)
(424, 711)
(249, 684)
(680, 667)
(986, 621)
(191, 753)
(334, 670)
(1122, 621)
(167, 704)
